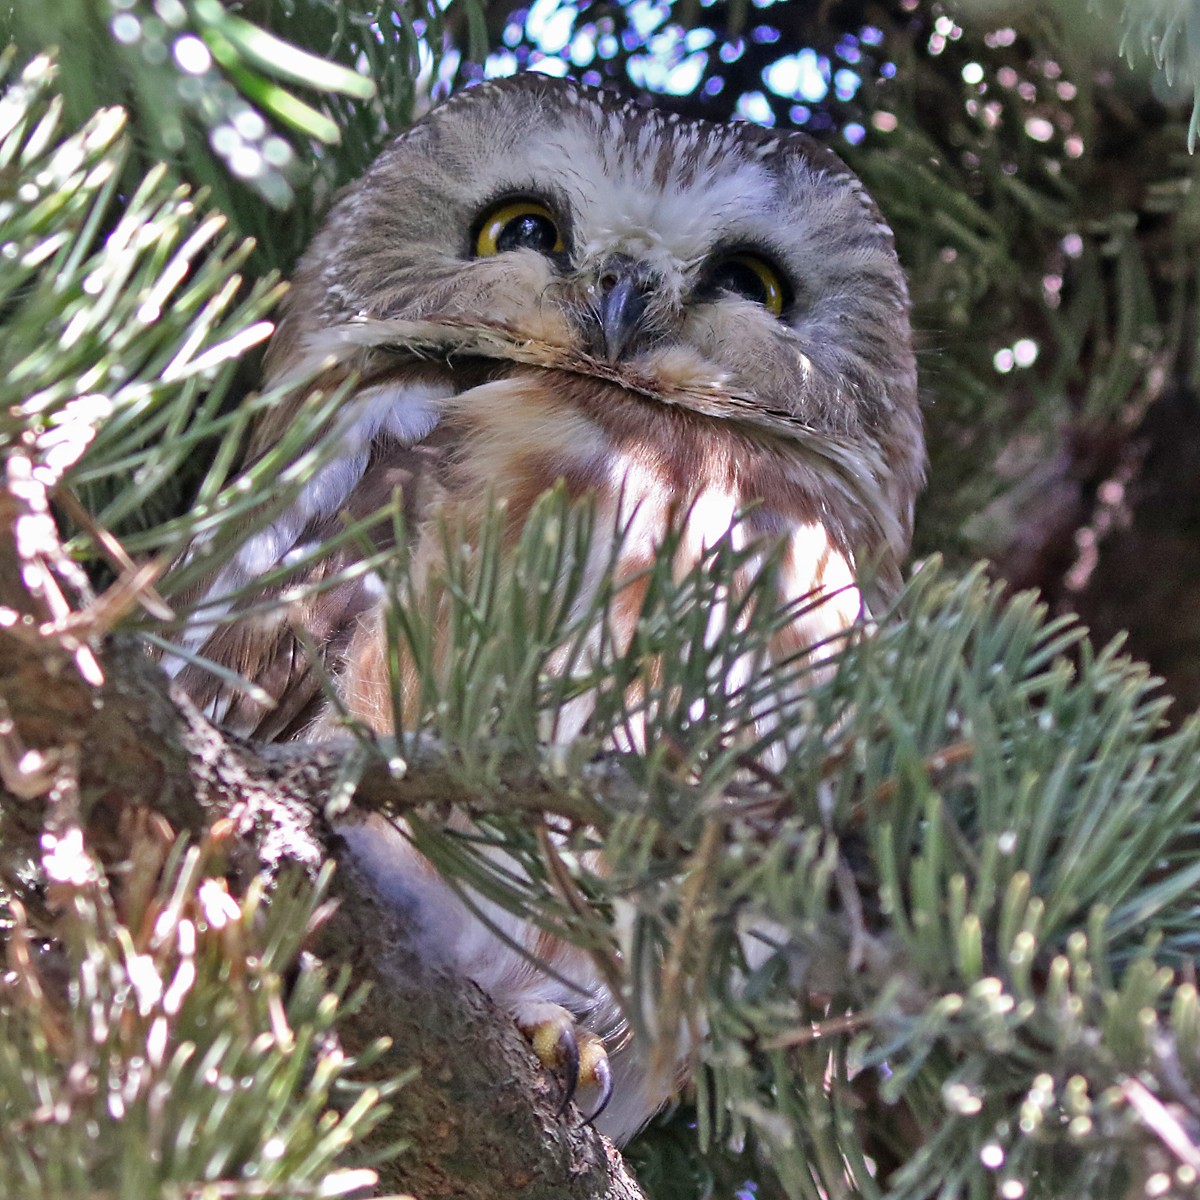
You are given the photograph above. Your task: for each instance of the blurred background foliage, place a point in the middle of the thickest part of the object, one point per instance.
(1040, 190)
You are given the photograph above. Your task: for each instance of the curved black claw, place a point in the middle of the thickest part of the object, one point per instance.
(602, 1073)
(567, 1061)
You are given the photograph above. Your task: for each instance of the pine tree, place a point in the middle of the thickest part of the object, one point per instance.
(980, 844)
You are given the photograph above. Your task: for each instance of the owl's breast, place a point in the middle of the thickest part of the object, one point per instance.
(651, 472)
(640, 460)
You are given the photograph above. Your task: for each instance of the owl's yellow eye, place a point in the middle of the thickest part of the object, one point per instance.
(517, 225)
(753, 278)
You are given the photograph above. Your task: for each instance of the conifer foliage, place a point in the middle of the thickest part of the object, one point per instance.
(937, 922)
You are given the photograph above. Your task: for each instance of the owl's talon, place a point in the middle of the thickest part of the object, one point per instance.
(573, 1055)
(566, 1067)
(602, 1073)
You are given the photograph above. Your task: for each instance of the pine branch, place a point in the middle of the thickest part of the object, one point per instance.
(1168, 33)
(71, 796)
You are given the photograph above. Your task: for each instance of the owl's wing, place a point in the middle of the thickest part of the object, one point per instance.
(264, 647)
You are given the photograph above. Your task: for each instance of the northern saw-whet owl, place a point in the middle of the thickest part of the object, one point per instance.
(682, 320)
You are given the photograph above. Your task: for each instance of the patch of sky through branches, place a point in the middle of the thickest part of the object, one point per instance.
(802, 86)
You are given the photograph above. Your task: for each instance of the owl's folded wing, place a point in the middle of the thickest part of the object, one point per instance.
(299, 626)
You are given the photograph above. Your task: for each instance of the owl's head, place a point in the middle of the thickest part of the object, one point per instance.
(569, 215)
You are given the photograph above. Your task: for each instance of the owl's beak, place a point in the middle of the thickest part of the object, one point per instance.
(623, 289)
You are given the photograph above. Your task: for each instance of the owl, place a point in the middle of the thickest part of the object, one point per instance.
(542, 284)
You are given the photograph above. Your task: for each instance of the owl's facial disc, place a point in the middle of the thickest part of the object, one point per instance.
(622, 291)
(609, 300)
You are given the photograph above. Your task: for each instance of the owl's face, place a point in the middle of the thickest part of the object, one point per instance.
(731, 253)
